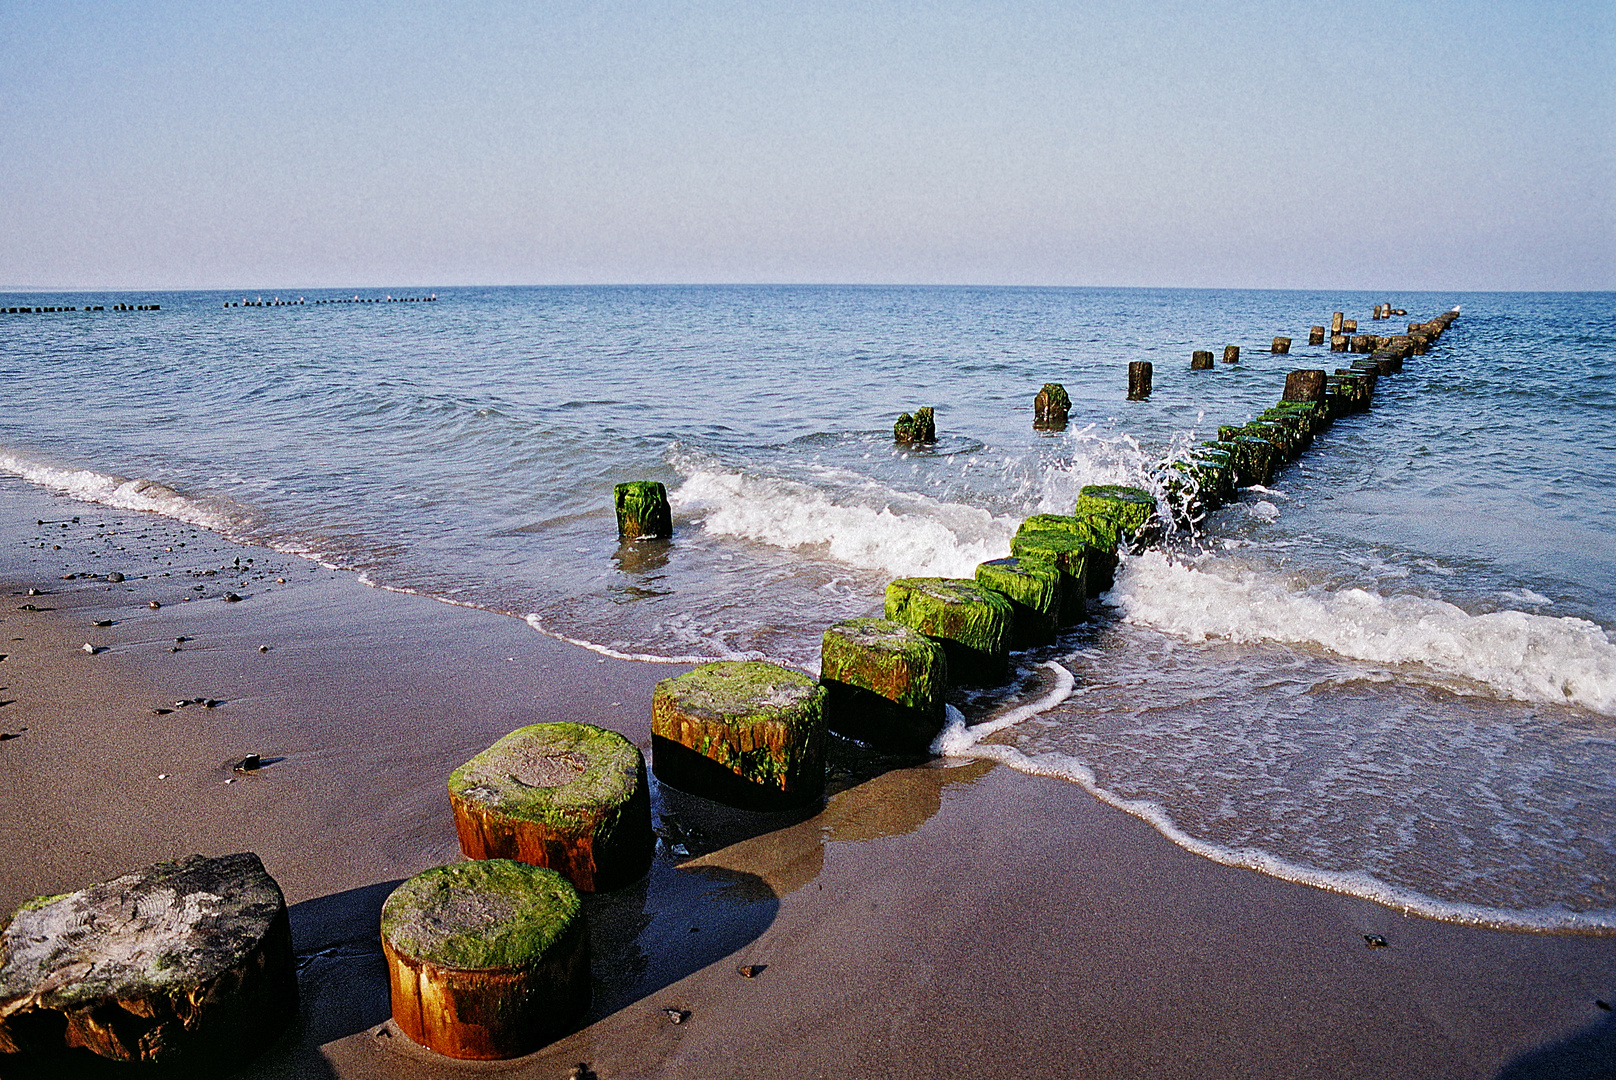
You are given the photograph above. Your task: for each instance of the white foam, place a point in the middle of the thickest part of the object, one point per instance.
(873, 529)
(146, 496)
(1513, 653)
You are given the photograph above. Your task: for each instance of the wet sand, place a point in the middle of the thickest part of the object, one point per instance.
(929, 921)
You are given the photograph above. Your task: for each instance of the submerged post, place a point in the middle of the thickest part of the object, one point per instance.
(1139, 376)
(1231, 354)
(642, 510)
(1201, 360)
(1315, 335)
(1281, 345)
(1050, 406)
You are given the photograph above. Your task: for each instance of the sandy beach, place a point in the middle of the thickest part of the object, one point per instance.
(933, 919)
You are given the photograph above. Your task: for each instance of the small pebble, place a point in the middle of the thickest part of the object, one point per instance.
(676, 1016)
(580, 1071)
(162, 712)
(162, 776)
(751, 971)
(35, 592)
(231, 598)
(263, 648)
(154, 605)
(89, 648)
(1605, 1005)
(114, 577)
(280, 581)
(250, 763)
(232, 780)
(1375, 941)
(102, 622)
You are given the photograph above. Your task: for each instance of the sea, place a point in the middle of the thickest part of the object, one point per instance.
(1390, 673)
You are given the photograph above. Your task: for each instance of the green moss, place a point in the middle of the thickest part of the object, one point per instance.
(490, 913)
(921, 427)
(1034, 587)
(38, 902)
(887, 658)
(560, 773)
(970, 622)
(1133, 509)
(780, 711)
(642, 510)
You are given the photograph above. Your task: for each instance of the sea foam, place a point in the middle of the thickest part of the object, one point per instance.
(1515, 654)
(148, 496)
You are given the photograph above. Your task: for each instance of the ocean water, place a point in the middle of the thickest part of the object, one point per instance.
(1390, 674)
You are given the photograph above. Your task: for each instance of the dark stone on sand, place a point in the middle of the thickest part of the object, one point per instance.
(115, 577)
(231, 598)
(154, 605)
(184, 967)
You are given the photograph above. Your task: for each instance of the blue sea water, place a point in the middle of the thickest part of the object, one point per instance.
(1391, 673)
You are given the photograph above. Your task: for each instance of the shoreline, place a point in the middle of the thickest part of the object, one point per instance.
(928, 920)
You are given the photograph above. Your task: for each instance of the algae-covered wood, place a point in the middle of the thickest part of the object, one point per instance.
(643, 512)
(184, 967)
(1133, 509)
(884, 683)
(971, 623)
(743, 732)
(486, 959)
(1033, 587)
(571, 797)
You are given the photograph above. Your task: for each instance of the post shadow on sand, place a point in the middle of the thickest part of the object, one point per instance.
(1589, 1054)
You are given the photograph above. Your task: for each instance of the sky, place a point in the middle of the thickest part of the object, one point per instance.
(1263, 144)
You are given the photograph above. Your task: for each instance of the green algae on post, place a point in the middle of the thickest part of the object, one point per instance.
(884, 684)
(1033, 587)
(1133, 509)
(642, 510)
(971, 623)
(743, 732)
(1067, 551)
(486, 959)
(182, 966)
(571, 797)
(920, 427)
(1050, 407)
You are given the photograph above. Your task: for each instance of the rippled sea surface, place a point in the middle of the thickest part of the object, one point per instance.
(1390, 674)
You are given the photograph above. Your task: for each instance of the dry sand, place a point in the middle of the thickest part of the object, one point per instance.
(930, 921)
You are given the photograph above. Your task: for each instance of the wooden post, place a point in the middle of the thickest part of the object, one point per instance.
(1281, 345)
(884, 684)
(971, 623)
(920, 427)
(571, 797)
(486, 960)
(1231, 354)
(1338, 343)
(642, 510)
(1050, 406)
(1315, 335)
(1201, 360)
(1139, 375)
(1335, 322)
(1305, 385)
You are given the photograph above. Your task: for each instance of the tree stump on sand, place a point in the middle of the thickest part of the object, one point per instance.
(1050, 407)
(1033, 588)
(642, 510)
(1281, 345)
(184, 967)
(570, 797)
(486, 959)
(1132, 509)
(742, 732)
(1231, 354)
(921, 427)
(1201, 360)
(971, 623)
(884, 684)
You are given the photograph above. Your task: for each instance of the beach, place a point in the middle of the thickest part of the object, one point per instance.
(931, 919)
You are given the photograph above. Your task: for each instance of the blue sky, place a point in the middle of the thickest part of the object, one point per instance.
(1262, 144)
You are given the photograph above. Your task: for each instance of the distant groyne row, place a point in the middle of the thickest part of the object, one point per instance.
(276, 301)
(87, 307)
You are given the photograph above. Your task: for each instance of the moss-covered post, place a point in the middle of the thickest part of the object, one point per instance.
(1050, 407)
(184, 967)
(1083, 549)
(1033, 587)
(1280, 346)
(884, 684)
(487, 959)
(915, 429)
(742, 732)
(1140, 373)
(1231, 354)
(1201, 360)
(1131, 509)
(571, 797)
(642, 510)
(971, 623)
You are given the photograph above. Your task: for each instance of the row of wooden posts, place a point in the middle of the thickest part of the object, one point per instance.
(489, 958)
(99, 307)
(300, 302)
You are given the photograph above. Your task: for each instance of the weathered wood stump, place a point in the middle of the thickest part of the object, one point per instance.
(1338, 342)
(971, 623)
(1140, 373)
(1337, 321)
(184, 968)
(914, 429)
(1083, 549)
(570, 797)
(884, 684)
(1131, 509)
(1281, 345)
(1201, 360)
(1210, 473)
(486, 959)
(1315, 335)
(1231, 354)
(742, 732)
(1350, 326)
(1254, 461)
(1033, 587)
(1306, 385)
(642, 510)
(1050, 407)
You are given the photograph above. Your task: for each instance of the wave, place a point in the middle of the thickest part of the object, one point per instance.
(1535, 658)
(146, 496)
